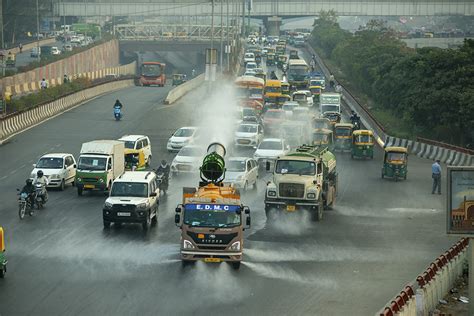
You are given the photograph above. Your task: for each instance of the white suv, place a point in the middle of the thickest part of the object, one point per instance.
(134, 198)
(60, 169)
(138, 142)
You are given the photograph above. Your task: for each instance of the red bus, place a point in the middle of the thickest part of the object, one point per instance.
(152, 73)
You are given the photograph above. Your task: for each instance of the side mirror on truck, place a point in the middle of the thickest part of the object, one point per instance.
(247, 222)
(177, 219)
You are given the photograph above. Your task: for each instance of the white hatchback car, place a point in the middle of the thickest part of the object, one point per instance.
(182, 137)
(249, 57)
(138, 142)
(188, 160)
(248, 134)
(242, 172)
(271, 149)
(60, 169)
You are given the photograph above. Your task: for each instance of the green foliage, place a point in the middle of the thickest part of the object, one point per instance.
(427, 92)
(48, 95)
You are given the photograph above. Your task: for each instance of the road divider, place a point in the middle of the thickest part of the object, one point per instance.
(421, 296)
(176, 93)
(21, 121)
(422, 147)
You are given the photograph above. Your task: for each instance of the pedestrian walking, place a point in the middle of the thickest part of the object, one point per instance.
(436, 175)
(43, 84)
(20, 47)
(66, 79)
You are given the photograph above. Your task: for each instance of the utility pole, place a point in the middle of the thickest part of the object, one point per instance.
(227, 33)
(212, 24)
(243, 17)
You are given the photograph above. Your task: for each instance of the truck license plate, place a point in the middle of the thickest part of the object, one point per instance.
(88, 186)
(123, 214)
(291, 208)
(212, 260)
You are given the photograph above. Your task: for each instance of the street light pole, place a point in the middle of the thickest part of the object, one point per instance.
(222, 38)
(227, 33)
(212, 25)
(37, 32)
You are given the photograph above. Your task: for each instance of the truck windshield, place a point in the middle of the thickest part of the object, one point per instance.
(129, 144)
(50, 163)
(299, 97)
(306, 168)
(132, 189)
(211, 218)
(329, 108)
(92, 163)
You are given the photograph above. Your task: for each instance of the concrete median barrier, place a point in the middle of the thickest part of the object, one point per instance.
(178, 92)
(19, 122)
(421, 296)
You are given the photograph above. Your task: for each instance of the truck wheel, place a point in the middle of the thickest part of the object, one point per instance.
(79, 191)
(106, 224)
(318, 214)
(236, 265)
(268, 213)
(3, 271)
(185, 263)
(382, 174)
(148, 162)
(154, 220)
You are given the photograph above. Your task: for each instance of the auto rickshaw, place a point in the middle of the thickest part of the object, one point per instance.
(134, 160)
(322, 136)
(3, 260)
(285, 88)
(179, 79)
(280, 49)
(11, 60)
(395, 163)
(333, 117)
(271, 59)
(320, 122)
(282, 99)
(362, 144)
(281, 60)
(343, 136)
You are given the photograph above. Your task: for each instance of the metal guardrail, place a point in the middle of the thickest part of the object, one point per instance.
(445, 145)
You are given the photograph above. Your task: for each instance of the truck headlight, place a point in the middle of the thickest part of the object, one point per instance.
(311, 195)
(108, 205)
(187, 244)
(142, 206)
(235, 246)
(101, 180)
(272, 193)
(79, 179)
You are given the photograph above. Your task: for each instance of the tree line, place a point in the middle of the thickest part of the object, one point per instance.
(430, 89)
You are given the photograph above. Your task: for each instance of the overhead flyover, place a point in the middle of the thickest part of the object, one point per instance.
(263, 8)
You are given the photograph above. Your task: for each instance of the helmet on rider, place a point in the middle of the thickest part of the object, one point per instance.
(163, 162)
(29, 181)
(39, 173)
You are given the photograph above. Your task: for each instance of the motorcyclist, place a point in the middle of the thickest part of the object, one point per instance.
(41, 179)
(331, 80)
(29, 188)
(117, 104)
(355, 119)
(164, 169)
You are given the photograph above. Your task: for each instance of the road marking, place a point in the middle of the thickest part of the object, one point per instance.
(4, 177)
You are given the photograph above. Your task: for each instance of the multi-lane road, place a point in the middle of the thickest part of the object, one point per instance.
(380, 235)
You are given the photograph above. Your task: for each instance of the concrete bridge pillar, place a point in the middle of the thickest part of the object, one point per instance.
(272, 24)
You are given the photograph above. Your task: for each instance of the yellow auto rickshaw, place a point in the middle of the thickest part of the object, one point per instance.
(362, 144)
(281, 99)
(179, 79)
(3, 260)
(395, 163)
(320, 122)
(322, 136)
(134, 160)
(343, 136)
(315, 92)
(11, 60)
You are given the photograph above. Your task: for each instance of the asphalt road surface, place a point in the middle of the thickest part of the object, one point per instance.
(380, 235)
(24, 58)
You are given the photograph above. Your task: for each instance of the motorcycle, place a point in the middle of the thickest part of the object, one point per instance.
(41, 196)
(356, 124)
(117, 113)
(162, 181)
(25, 204)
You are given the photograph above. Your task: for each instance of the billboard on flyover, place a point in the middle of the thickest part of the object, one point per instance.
(460, 200)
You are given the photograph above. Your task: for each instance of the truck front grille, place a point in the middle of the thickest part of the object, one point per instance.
(291, 190)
